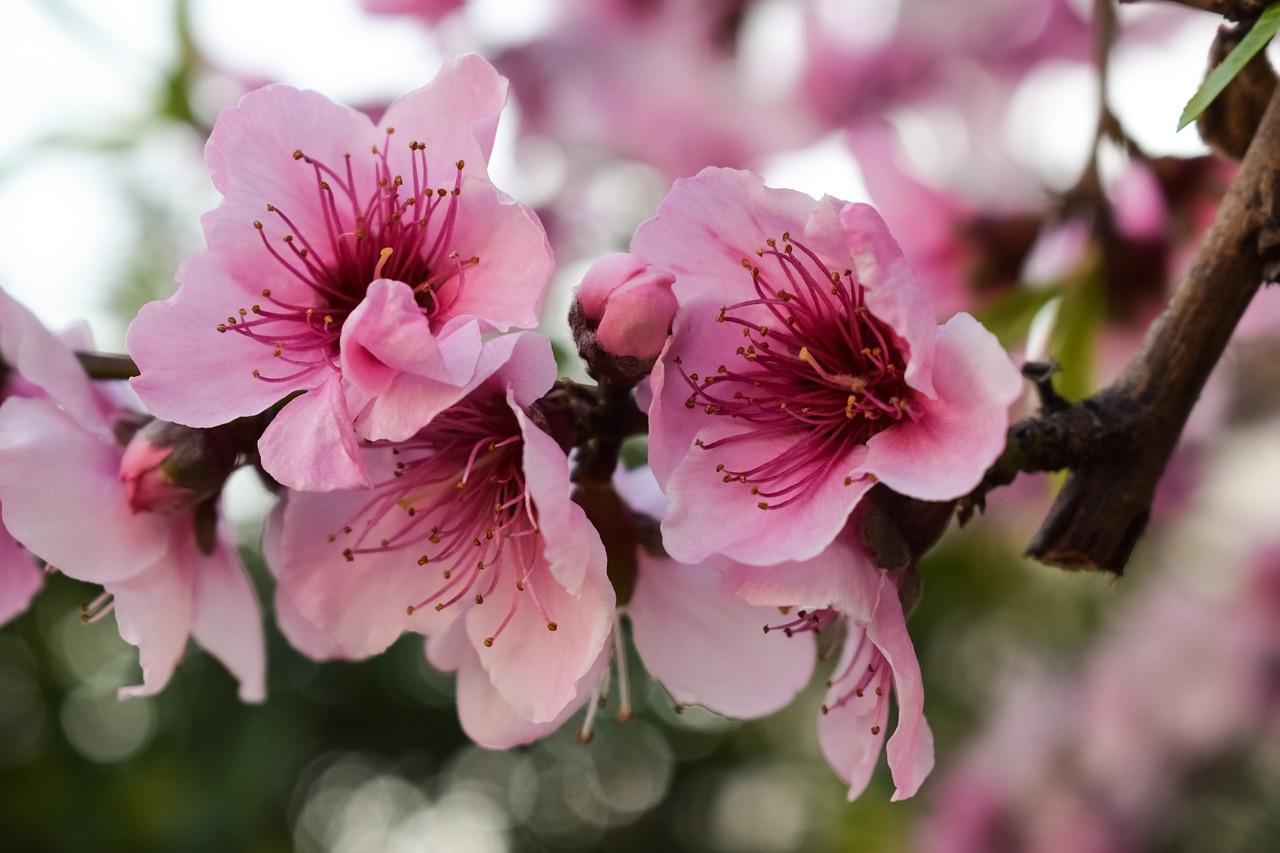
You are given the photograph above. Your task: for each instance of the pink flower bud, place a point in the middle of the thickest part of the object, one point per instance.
(168, 467)
(630, 303)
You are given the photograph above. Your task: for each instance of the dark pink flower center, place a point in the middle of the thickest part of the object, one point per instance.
(456, 503)
(400, 228)
(814, 363)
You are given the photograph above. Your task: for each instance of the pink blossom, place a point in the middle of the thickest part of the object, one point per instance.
(469, 527)
(428, 10)
(346, 264)
(804, 367)
(841, 587)
(34, 363)
(60, 483)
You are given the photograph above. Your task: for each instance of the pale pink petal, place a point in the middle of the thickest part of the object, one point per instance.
(910, 749)
(390, 354)
(840, 577)
(228, 620)
(176, 341)
(943, 451)
(154, 611)
(20, 577)
(250, 157)
(311, 444)
(486, 717)
(572, 548)
(343, 608)
(709, 223)
(851, 734)
(709, 516)
(521, 365)
(455, 115)
(708, 648)
(508, 285)
(536, 670)
(893, 291)
(41, 358)
(61, 496)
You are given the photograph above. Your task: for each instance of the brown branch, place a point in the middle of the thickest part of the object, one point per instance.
(99, 365)
(1118, 442)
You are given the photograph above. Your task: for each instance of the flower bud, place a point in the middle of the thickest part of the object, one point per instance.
(628, 304)
(167, 467)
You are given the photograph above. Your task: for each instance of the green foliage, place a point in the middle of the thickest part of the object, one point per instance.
(1218, 79)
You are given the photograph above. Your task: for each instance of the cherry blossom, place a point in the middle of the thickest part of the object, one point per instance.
(804, 367)
(358, 263)
(469, 526)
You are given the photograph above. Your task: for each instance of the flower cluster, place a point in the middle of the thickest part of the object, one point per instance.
(359, 328)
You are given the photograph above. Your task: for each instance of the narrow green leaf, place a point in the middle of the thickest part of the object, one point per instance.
(1217, 79)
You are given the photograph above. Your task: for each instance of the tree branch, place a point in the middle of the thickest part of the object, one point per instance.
(1118, 442)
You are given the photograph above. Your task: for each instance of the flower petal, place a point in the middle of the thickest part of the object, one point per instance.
(154, 611)
(57, 480)
(311, 444)
(707, 648)
(20, 578)
(944, 450)
(228, 620)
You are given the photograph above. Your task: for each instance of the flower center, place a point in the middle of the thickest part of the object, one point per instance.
(400, 228)
(456, 504)
(814, 363)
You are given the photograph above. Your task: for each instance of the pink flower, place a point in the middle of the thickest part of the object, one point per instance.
(878, 659)
(34, 363)
(629, 304)
(804, 367)
(62, 494)
(469, 527)
(346, 264)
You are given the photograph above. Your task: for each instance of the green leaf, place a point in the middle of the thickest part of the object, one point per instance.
(1217, 79)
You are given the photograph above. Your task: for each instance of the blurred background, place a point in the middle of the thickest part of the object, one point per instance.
(1071, 711)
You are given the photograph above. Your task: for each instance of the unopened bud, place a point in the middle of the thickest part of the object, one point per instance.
(167, 467)
(628, 304)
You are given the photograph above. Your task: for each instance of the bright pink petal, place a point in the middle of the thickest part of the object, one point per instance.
(20, 578)
(709, 223)
(391, 355)
(943, 451)
(61, 495)
(572, 547)
(311, 444)
(536, 670)
(154, 611)
(840, 577)
(708, 648)
(228, 620)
